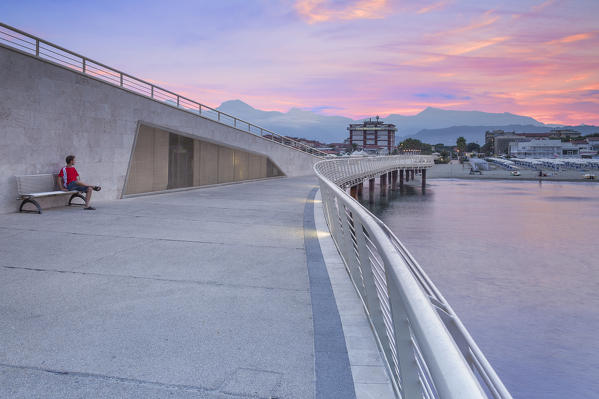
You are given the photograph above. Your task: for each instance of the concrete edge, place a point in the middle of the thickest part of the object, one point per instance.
(369, 373)
(332, 372)
(176, 190)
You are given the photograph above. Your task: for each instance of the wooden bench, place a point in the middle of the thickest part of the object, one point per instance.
(30, 187)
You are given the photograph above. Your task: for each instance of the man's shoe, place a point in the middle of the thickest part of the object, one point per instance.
(97, 188)
(90, 208)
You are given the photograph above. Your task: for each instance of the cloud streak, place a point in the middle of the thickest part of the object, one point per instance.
(572, 38)
(432, 7)
(315, 11)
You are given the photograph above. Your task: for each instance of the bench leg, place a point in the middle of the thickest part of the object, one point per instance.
(76, 195)
(31, 201)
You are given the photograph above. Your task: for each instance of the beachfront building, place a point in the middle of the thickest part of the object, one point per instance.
(501, 144)
(593, 143)
(374, 137)
(536, 149)
(500, 140)
(540, 148)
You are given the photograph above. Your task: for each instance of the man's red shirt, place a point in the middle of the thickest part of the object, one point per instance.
(71, 175)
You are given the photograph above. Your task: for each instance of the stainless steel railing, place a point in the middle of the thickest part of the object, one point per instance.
(428, 351)
(352, 170)
(39, 48)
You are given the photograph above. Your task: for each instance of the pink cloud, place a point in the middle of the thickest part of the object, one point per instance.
(432, 7)
(314, 11)
(572, 38)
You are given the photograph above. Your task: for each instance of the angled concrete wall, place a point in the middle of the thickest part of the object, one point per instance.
(48, 112)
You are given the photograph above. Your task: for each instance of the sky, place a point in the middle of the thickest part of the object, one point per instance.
(361, 58)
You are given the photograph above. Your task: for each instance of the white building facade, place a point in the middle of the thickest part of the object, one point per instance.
(536, 149)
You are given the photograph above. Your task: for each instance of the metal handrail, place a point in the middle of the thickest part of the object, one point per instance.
(427, 350)
(34, 46)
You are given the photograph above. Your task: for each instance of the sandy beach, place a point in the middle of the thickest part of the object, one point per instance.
(455, 170)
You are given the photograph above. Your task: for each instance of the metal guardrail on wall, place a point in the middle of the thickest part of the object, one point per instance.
(428, 351)
(39, 48)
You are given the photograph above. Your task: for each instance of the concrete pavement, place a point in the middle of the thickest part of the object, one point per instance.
(194, 294)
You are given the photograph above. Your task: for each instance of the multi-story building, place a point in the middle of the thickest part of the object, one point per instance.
(373, 136)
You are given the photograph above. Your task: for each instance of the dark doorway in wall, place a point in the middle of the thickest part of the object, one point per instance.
(180, 161)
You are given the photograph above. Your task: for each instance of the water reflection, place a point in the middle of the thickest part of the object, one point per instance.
(518, 262)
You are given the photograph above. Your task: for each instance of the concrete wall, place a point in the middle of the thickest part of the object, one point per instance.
(48, 112)
(209, 164)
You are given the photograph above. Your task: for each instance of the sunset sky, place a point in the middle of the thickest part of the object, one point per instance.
(351, 58)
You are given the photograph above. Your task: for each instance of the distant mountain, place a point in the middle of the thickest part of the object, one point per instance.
(295, 123)
(435, 118)
(432, 125)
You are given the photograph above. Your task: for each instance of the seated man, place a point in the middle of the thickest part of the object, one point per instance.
(68, 180)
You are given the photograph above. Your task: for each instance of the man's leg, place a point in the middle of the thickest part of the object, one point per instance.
(88, 196)
(95, 188)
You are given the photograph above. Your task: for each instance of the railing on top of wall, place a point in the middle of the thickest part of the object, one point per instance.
(40, 48)
(427, 350)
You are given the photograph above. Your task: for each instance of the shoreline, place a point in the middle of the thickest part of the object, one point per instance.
(455, 170)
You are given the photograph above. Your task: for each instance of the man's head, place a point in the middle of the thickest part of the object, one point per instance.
(70, 159)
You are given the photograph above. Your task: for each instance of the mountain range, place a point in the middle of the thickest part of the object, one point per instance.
(432, 125)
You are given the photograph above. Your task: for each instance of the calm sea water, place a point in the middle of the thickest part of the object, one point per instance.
(519, 263)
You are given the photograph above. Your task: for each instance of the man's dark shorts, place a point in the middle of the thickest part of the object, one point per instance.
(73, 186)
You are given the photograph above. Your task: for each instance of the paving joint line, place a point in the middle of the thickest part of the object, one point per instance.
(131, 381)
(196, 282)
(154, 239)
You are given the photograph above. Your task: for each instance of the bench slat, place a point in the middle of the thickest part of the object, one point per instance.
(47, 193)
(31, 184)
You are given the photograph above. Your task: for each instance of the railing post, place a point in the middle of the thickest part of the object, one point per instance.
(234, 122)
(345, 236)
(177, 101)
(121, 79)
(371, 296)
(218, 115)
(152, 91)
(37, 48)
(408, 366)
(83, 67)
(200, 110)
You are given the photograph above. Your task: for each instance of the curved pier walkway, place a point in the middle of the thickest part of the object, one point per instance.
(194, 294)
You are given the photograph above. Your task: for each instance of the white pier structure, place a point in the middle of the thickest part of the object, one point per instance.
(427, 350)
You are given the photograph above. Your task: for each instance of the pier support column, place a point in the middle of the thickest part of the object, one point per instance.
(413, 173)
(401, 179)
(371, 183)
(423, 179)
(353, 191)
(383, 183)
(394, 180)
(361, 190)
